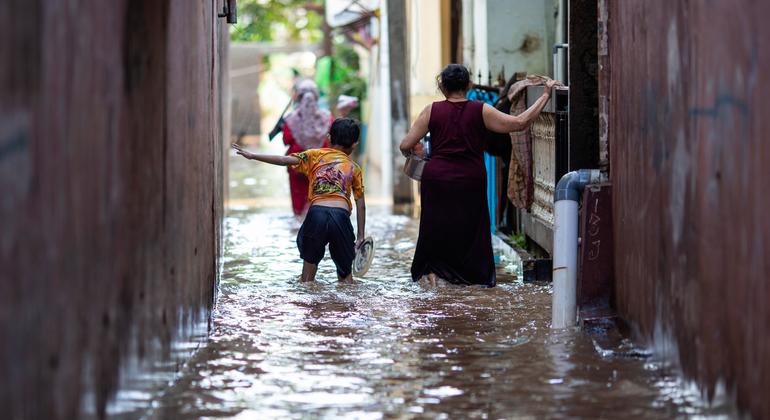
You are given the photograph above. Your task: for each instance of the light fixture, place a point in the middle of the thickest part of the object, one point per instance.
(230, 11)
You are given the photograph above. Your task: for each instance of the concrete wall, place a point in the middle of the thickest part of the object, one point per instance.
(521, 34)
(688, 123)
(515, 36)
(111, 176)
(425, 53)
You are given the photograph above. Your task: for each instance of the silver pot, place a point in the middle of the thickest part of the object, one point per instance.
(414, 166)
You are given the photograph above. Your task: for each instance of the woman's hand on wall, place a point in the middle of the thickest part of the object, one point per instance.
(549, 85)
(500, 122)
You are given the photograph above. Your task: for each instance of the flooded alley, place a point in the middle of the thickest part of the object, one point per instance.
(612, 154)
(386, 347)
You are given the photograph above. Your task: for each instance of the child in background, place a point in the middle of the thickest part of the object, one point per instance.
(333, 177)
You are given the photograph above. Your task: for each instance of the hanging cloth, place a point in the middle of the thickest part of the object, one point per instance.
(521, 186)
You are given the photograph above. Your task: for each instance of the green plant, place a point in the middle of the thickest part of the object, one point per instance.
(266, 20)
(518, 239)
(347, 80)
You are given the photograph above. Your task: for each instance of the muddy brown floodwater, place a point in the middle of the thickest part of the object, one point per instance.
(388, 348)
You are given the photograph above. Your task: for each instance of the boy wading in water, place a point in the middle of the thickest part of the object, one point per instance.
(333, 176)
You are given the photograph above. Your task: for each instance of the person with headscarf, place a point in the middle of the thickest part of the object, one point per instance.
(306, 128)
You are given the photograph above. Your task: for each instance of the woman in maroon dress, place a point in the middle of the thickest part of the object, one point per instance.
(306, 128)
(455, 240)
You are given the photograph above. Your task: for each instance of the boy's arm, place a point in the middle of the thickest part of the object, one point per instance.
(271, 159)
(361, 219)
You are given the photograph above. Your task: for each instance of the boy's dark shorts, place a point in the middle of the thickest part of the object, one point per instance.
(328, 225)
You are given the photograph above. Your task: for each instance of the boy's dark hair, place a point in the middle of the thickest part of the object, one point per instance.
(344, 132)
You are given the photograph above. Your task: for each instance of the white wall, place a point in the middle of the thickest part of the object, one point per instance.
(425, 48)
(480, 40)
(379, 151)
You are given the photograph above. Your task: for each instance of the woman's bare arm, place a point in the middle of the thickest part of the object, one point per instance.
(501, 122)
(271, 159)
(417, 132)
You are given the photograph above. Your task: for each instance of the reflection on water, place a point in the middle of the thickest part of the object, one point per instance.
(385, 347)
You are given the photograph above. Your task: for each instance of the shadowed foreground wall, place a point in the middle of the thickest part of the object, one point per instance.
(689, 123)
(111, 182)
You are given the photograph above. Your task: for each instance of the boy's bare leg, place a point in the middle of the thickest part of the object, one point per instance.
(308, 271)
(348, 279)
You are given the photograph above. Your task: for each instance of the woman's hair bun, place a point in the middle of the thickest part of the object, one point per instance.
(454, 78)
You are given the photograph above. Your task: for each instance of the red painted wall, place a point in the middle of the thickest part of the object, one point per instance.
(688, 124)
(111, 182)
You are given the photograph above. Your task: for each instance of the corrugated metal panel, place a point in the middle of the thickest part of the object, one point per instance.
(689, 156)
(110, 192)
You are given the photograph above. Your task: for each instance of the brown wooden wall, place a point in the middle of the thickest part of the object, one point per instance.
(690, 161)
(111, 177)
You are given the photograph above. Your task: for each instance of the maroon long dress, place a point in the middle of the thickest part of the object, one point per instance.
(455, 240)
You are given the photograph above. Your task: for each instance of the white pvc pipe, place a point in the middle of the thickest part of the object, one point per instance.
(565, 243)
(565, 240)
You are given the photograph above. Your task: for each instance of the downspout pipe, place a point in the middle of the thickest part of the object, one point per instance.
(565, 243)
(558, 69)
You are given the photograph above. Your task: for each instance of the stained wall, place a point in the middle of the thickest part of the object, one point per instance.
(111, 183)
(688, 123)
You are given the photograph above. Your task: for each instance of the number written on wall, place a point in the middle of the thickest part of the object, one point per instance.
(594, 229)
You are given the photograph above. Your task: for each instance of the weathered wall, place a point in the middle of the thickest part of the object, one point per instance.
(110, 192)
(583, 87)
(689, 164)
(520, 34)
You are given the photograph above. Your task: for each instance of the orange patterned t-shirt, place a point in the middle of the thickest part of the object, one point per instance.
(332, 174)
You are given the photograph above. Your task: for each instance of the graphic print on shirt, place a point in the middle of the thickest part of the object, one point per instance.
(329, 179)
(331, 174)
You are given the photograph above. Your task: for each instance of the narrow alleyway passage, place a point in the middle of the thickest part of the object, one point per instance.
(385, 347)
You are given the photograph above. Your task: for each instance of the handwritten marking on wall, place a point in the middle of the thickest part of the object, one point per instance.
(594, 229)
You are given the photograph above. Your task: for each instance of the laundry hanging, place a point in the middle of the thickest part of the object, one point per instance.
(488, 97)
(521, 186)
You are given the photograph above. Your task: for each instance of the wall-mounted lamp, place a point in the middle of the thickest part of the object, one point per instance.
(230, 11)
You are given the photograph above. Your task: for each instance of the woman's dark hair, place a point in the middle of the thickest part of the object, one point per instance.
(344, 132)
(454, 78)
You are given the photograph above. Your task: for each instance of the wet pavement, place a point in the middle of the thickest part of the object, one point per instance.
(386, 347)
